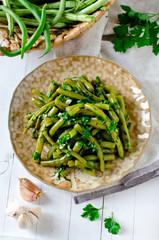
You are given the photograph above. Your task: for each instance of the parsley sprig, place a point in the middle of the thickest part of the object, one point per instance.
(136, 28)
(112, 226)
(91, 212)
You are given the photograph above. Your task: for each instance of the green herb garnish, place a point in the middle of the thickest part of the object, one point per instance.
(112, 226)
(136, 29)
(91, 212)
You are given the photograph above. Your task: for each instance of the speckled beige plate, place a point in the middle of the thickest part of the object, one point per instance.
(110, 73)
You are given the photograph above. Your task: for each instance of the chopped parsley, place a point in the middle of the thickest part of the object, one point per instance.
(59, 170)
(129, 125)
(85, 120)
(100, 118)
(113, 126)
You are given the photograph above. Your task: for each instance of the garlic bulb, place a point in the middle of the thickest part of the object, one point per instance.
(28, 190)
(26, 218)
(29, 218)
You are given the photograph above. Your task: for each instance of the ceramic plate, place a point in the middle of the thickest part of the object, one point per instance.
(110, 73)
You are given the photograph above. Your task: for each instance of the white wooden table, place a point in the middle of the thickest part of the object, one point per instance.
(137, 209)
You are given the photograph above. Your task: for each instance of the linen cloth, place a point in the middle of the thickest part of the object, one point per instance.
(144, 66)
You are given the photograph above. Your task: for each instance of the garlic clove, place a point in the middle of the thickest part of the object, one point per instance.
(12, 208)
(36, 211)
(34, 215)
(24, 221)
(28, 190)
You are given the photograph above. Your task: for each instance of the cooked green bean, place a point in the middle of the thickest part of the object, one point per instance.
(66, 171)
(53, 111)
(85, 169)
(87, 112)
(50, 152)
(108, 124)
(105, 144)
(58, 102)
(51, 89)
(40, 94)
(86, 92)
(125, 132)
(56, 126)
(110, 150)
(70, 94)
(87, 84)
(39, 145)
(95, 131)
(37, 102)
(55, 162)
(77, 147)
(109, 89)
(37, 113)
(94, 122)
(102, 106)
(78, 128)
(48, 138)
(71, 163)
(109, 157)
(106, 136)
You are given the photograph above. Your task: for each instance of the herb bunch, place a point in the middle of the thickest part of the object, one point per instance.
(140, 29)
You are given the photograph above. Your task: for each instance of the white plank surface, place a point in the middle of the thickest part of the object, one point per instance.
(135, 209)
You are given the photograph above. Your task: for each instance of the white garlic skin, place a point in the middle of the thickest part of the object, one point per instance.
(12, 208)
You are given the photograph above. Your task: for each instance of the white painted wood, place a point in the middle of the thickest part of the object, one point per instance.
(81, 228)
(135, 209)
(9, 79)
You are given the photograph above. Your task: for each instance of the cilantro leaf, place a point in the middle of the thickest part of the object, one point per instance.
(136, 29)
(112, 226)
(91, 212)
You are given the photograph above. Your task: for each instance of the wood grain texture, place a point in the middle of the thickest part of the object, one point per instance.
(135, 209)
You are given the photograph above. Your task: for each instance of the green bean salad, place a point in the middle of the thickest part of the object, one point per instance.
(38, 17)
(85, 124)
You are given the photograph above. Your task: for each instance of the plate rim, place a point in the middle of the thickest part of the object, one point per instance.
(103, 185)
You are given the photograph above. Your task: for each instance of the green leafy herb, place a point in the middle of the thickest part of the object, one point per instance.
(63, 140)
(100, 118)
(67, 179)
(136, 29)
(91, 212)
(85, 120)
(36, 155)
(92, 146)
(129, 125)
(113, 126)
(64, 85)
(59, 170)
(62, 98)
(112, 226)
(99, 83)
(86, 133)
(83, 144)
